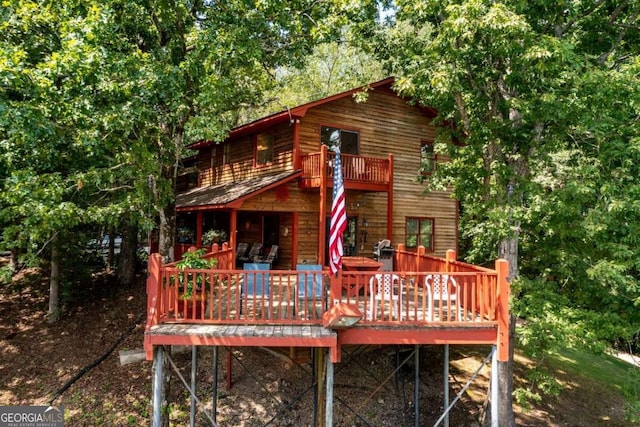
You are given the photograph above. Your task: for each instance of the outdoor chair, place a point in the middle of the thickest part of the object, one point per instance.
(242, 253)
(256, 290)
(256, 248)
(270, 257)
(383, 288)
(310, 289)
(443, 289)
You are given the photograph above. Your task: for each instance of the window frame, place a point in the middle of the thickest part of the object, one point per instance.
(341, 130)
(270, 138)
(420, 220)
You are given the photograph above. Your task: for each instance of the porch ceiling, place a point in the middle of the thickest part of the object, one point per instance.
(223, 195)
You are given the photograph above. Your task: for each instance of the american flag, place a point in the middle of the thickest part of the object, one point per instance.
(338, 217)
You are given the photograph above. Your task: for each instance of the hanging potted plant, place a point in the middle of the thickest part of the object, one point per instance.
(192, 286)
(214, 236)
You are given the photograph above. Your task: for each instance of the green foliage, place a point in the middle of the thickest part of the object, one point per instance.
(542, 101)
(188, 282)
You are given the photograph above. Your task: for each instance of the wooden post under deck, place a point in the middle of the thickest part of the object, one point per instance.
(329, 399)
(320, 377)
(158, 397)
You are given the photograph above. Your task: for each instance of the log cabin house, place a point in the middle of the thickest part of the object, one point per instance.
(270, 182)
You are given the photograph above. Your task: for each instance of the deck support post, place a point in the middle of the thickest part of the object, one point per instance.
(229, 367)
(446, 384)
(214, 393)
(158, 385)
(319, 394)
(495, 415)
(329, 399)
(194, 374)
(416, 386)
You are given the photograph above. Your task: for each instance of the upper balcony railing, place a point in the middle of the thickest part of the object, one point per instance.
(360, 169)
(423, 291)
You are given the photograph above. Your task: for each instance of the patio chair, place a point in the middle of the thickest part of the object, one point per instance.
(256, 248)
(310, 288)
(242, 253)
(270, 258)
(255, 286)
(385, 287)
(444, 289)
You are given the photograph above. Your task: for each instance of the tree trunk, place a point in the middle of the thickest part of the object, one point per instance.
(126, 272)
(13, 260)
(167, 232)
(54, 282)
(111, 249)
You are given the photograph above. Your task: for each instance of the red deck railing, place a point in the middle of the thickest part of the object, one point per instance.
(226, 295)
(354, 168)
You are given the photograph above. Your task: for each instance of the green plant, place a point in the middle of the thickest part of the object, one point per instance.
(214, 236)
(190, 281)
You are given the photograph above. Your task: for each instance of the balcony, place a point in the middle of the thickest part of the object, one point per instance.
(358, 172)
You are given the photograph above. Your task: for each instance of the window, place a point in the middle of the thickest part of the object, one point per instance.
(226, 154)
(427, 157)
(220, 155)
(348, 139)
(419, 232)
(264, 149)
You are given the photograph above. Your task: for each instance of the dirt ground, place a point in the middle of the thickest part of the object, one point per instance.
(373, 387)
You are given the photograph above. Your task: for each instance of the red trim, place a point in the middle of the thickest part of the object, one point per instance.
(434, 335)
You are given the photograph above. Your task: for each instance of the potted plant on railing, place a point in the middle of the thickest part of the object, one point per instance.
(193, 287)
(214, 236)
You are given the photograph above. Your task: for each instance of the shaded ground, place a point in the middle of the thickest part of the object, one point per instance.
(36, 359)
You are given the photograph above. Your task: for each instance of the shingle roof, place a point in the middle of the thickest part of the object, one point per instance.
(221, 195)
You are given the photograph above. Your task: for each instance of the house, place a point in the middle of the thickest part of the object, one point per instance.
(270, 180)
(270, 183)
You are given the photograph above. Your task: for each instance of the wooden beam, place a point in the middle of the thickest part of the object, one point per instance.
(502, 308)
(322, 227)
(390, 200)
(294, 238)
(233, 237)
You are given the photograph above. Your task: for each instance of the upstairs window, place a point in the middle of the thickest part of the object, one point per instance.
(419, 232)
(264, 149)
(427, 157)
(349, 140)
(225, 154)
(220, 155)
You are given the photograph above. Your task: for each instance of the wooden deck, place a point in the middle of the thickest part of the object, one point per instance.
(268, 307)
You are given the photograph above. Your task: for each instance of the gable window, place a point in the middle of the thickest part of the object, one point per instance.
(427, 157)
(264, 149)
(419, 232)
(349, 140)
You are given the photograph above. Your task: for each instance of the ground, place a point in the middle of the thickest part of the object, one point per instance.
(37, 359)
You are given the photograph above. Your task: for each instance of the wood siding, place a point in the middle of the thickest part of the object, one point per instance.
(241, 158)
(386, 124)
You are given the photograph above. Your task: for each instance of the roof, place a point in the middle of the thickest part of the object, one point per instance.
(231, 194)
(293, 113)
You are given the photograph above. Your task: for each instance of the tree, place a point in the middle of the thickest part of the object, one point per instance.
(513, 81)
(98, 98)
